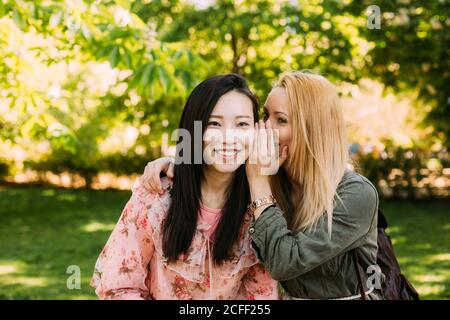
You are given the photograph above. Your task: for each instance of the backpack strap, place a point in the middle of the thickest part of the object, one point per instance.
(382, 222)
(354, 255)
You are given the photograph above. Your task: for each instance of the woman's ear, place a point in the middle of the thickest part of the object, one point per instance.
(284, 154)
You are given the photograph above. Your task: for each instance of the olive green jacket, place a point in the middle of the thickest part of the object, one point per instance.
(311, 265)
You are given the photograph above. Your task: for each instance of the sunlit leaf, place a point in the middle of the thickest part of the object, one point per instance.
(114, 56)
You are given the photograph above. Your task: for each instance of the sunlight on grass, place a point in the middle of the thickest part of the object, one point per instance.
(440, 257)
(436, 290)
(97, 226)
(82, 297)
(430, 278)
(394, 229)
(11, 266)
(423, 246)
(24, 281)
(398, 240)
(11, 274)
(49, 193)
(7, 269)
(435, 259)
(70, 198)
(404, 261)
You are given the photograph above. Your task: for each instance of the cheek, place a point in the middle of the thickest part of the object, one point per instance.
(247, 139)
(206, 144)
(212, 135)
(285, 136)
(244, 142)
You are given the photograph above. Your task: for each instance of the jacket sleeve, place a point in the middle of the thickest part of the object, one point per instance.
(288, 256)
(122, 267)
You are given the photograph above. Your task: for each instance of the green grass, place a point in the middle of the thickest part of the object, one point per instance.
(420, 232)
(43, 231)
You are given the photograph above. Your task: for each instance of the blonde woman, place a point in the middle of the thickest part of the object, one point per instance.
(325, 216)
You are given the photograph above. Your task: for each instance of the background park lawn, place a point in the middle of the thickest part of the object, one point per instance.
(45, 230)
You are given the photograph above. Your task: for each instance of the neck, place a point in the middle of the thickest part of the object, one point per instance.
(214, 186)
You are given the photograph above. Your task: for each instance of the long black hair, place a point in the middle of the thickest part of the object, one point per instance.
(181, 221)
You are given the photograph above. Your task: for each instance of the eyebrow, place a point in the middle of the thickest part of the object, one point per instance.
(221, 117)
(265, 109)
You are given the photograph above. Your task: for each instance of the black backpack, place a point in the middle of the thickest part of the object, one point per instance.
(395, 286)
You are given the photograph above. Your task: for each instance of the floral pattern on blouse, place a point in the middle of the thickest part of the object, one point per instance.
(132, 264)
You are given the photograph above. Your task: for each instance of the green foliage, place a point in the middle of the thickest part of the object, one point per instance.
(264, 38)
(411, 50)
(4, 168)
(58, 89)
(72, 73)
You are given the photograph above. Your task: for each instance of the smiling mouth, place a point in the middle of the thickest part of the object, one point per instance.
(227, 153)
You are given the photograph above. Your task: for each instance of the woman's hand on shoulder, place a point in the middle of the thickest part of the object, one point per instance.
(151, 179)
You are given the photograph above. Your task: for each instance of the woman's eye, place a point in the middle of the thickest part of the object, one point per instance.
(213, 123)
(243, 124)
(282, 121)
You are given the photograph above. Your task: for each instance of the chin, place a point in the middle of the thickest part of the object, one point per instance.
(226, 168)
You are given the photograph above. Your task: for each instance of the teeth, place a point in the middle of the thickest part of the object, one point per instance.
(227, 153)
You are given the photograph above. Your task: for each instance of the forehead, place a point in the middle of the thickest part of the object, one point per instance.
(277, 98)
(233, 103)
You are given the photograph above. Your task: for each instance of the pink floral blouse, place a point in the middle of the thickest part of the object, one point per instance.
(132, 264)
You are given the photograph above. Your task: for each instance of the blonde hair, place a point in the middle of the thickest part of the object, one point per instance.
(318, 152)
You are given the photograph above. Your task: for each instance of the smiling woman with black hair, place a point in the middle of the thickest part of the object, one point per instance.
(191, 241)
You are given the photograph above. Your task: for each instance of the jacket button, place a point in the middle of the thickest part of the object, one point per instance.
(251, 230)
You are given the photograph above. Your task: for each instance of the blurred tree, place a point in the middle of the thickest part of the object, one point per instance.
(70, 71)
(411, 50)
(91, 85)
(262, 38)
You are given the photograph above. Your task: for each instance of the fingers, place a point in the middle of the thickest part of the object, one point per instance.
(143, 182)
(270, 139)
(276, 141)
(262, 139)
(170, 173)
(150, 180)
(265, 154)
(156, 179)
(254, 148)
(145, 179)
